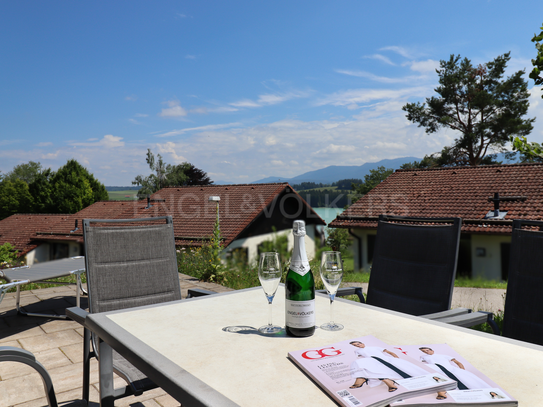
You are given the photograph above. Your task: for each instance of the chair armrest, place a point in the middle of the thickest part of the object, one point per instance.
(13, 354)
(345, 291)
(77, 314)
(472, 319)
(199, 292)
(447, 314)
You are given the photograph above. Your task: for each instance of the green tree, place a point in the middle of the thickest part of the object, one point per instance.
(337, 239)
(371, 180)
(8, 255)
(73, 188)
(168, 175)
(41, 190)
(14, 198)
(480, 104)
(537, 72)
(26, 172)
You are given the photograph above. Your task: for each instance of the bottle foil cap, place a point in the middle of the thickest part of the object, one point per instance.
(298, 228)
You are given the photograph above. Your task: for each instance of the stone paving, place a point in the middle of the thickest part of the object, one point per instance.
(58, 345)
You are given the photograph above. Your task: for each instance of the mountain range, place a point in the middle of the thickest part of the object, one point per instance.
(334, 173)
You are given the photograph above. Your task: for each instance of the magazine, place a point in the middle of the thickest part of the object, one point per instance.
(474, 388)
(367, 372)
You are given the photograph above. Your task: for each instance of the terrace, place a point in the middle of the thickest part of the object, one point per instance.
(58, 345)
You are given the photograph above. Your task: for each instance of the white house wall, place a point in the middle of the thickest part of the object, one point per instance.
(488, 266)
(252, 243)
(361, 234)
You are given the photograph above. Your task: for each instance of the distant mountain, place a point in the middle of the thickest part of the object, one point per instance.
(334, 173)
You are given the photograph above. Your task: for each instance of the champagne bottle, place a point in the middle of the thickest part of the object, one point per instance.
(300, 288)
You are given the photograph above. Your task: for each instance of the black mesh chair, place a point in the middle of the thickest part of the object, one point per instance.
(414, 268)
(523, 315)
(129, 263)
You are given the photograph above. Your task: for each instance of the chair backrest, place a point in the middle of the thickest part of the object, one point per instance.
(523, 315)
(414, 264)
(130, 262)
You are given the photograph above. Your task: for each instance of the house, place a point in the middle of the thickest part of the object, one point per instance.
(249, 214)
(487, 198)
(20, 229)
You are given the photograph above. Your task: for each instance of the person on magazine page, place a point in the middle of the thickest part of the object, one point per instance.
(375, 365)
(453, 369)
(495, 395)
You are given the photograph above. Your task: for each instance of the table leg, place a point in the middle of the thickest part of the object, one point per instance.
(106, 375)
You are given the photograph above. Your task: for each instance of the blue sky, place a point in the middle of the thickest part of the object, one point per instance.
(242, 89)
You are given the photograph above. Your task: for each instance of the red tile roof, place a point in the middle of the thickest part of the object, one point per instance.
(460, 192)
(20, 229)
(240, 205)
(192, 212)
(66, 228)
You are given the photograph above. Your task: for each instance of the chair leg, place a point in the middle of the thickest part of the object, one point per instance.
(86, 364)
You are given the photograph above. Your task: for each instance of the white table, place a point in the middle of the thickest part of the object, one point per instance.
(182, 347)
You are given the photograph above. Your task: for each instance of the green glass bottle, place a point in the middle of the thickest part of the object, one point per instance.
(300, 288)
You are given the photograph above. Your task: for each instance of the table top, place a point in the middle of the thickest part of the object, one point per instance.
(190, 338)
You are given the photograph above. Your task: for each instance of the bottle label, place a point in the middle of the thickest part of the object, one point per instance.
(300, 267)
(300, 314)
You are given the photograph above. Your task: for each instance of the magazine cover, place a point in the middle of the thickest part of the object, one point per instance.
(367, 372)
(473, 387)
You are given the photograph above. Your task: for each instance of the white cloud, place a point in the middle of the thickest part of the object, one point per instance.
(399, 50)
(200, 128)
(108, 141)
(270, 99)
(173, 110)
(428, 66)
(357, 96)
(381, 58)
(44, 144)
(382, 79)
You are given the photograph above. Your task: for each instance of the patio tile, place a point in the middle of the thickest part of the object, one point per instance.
(17, 333)
(167, 401)
(52, 358)
(10, 370)
(59, 325)
(73, 352)
(21, 389)
(49, 341)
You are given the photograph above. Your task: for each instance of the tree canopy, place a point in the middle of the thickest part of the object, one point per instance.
(30, 189)
(371, 180)
(537, 62)
(479, 103)
(168, 175)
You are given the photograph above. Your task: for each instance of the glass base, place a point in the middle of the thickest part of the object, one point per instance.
(270, 329)
(332, 326)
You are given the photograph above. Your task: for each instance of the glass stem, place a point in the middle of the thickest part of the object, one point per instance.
(270, 313)
(331, 310)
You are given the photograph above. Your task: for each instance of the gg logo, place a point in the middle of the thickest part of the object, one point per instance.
(321, 353)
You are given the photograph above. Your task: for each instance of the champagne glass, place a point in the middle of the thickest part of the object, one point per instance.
(331, 274)
(269, 274)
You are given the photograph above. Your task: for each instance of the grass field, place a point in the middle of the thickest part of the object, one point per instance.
(123, 195)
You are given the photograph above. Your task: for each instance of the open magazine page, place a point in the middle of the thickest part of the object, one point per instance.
(474, 388)
(367, 372)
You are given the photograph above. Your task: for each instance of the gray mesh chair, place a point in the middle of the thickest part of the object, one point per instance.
(129, 263)
(523, 315)
(414, 267)
(13, 354)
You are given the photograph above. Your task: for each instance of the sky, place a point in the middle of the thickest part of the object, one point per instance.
(243, 90)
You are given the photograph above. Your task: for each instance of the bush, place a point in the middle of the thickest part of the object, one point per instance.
(8, 256)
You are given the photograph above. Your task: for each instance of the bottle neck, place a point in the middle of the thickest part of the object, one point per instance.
(298, 261)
